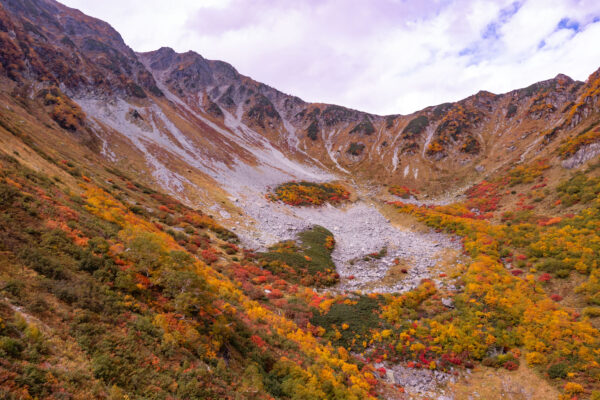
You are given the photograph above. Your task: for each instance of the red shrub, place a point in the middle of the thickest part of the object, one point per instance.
(545, 277)
(550, 221)
(511, 365)
(451, 359)
(275, 294)
(165, 209)
(257, 340)
(209, 255)
(280, 284)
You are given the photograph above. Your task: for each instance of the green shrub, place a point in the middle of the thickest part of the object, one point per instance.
(39, 306)
(14, 287)
(360, 317)
(389, 122)
(355, 149)
(551, 265)
(558, 371)
(41, 263)
(309, 257)
(10, 347)
(313, 130)
(511, 110)
(563, 273)
(506, 360)
(137, 210)
(441, 109)
(578, 189)
(35, 379)
(91, 263)
(7, 195)
(365, 127)
(415, 126)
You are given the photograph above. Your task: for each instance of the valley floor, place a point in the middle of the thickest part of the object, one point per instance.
(369, 246)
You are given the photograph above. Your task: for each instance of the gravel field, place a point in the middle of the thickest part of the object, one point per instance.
(424, 383)
(359, 230)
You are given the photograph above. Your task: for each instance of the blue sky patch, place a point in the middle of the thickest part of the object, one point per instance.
(567, 23)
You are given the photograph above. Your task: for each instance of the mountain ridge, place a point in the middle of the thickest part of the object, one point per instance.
(275, 114)
(211, 105)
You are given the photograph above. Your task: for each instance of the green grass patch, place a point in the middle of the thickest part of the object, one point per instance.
(347, 323)
(306, 260)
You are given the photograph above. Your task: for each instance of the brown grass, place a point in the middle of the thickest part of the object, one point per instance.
(491, 384)
(402, 221)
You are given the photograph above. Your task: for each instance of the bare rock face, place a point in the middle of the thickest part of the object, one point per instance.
(582, 156)
(80, 53)
(190, 72)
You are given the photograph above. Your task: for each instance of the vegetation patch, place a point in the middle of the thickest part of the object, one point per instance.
(309, 193)
(306, 260)
(348, 322)
(579, 189)
(64, 111)
(313, 130)
(511, 110)
(403, 191)
(470, 146)
(365, 127)
(154, 295)
(586, 137)
(415, 126)
(452, 128)
(508, 285)
(355, 149)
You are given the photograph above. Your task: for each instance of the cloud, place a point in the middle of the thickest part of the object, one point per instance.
(382, 56)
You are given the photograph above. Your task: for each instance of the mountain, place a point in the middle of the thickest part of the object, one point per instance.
(231, 119)
(146, 254)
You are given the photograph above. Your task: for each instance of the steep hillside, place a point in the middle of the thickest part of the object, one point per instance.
(209, 119)
(171, 228)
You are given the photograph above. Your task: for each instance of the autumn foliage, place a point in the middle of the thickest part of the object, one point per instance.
(402, 191)
(63, 110)
(309, 194)
(133, 292)
(503, 306)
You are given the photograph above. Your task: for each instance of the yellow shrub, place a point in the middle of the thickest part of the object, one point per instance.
(535, 358)
(573, 388)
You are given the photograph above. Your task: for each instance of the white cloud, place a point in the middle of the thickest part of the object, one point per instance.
(383, 56)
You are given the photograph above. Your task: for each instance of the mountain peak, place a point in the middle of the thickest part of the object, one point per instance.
(562, 76)
(190, 70)
(160, 59)
(563, 79)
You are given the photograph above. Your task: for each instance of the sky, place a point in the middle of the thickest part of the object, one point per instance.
(380, 56)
